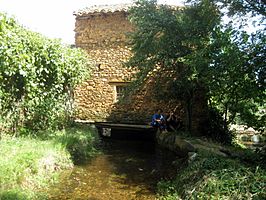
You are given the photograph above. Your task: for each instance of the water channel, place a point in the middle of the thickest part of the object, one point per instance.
(125, 170)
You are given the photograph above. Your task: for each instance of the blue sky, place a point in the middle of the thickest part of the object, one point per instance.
(54, 18)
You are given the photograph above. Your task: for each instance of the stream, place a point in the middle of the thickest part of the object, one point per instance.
(125, 170)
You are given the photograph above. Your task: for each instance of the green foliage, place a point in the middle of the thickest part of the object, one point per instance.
(28, 165)
(203, 55)
(79, 141)
(165, 36)
(243, 8)
(214, 128)
(234, 85)
(213, 177)
(172, 38)
(37, 76)
(14, 195)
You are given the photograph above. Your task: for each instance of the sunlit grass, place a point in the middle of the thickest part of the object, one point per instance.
(79, 141)
(214, 177)
(27, 165)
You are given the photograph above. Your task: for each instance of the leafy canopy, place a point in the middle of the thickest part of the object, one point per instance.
(202, 52)
(36, 76)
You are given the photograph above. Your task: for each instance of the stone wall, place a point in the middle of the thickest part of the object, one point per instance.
(142, 103)
(104, 37)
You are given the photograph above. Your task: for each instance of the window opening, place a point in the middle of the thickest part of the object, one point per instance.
(120, 91)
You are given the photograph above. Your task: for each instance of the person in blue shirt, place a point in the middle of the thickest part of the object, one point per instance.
(158, 120)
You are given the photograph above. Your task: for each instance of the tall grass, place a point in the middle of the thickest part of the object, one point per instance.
(214, 177)
(79, 141)
(27, 165)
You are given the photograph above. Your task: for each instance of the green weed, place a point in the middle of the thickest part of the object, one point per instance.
(79, 141)
(28, 165)
(214, 177)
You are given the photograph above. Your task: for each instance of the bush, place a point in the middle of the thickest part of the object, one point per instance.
(215, 128)
(14, 195)
(80, 142)
(213, 177)
(37, 76)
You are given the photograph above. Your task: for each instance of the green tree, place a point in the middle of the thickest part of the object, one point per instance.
(235, 88)
(250, 89)
(244, 7)
(172, 38)
(36, 77)
(203, 53)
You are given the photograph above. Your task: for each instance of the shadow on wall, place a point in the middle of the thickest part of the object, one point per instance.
(138, 106)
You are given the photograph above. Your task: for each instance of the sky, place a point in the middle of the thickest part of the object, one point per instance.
(54, 18)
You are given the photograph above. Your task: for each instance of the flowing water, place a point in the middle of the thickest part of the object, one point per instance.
(125, 170)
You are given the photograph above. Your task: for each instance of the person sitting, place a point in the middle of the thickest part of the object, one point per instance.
(172, 122)
(158, 120)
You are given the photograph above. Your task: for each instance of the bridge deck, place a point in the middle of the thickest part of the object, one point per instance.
(140, 127)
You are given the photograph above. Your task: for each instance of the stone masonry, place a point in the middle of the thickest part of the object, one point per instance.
(102, 32)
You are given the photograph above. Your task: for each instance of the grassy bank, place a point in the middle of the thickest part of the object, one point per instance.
(29, 164)
(211, 176)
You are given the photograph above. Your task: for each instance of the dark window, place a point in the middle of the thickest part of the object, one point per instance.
(120, 91)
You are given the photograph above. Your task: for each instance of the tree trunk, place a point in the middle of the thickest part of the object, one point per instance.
(189, 115)
(225, 116)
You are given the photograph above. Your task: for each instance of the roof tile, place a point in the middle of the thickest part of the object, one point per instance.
(103, 9)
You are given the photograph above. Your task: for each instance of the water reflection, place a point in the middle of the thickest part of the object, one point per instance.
(125, 170)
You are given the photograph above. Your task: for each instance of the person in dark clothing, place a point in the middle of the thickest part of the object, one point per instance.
(158, 120)
(173, 123)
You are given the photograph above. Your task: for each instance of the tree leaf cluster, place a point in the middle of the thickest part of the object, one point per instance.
(227, 63)
(37, 75)
(244, 7)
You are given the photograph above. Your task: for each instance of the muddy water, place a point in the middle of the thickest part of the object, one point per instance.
(126, 170)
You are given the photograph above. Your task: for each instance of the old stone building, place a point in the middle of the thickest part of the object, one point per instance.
(103, 32)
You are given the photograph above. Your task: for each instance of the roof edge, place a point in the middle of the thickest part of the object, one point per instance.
(97, 9)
